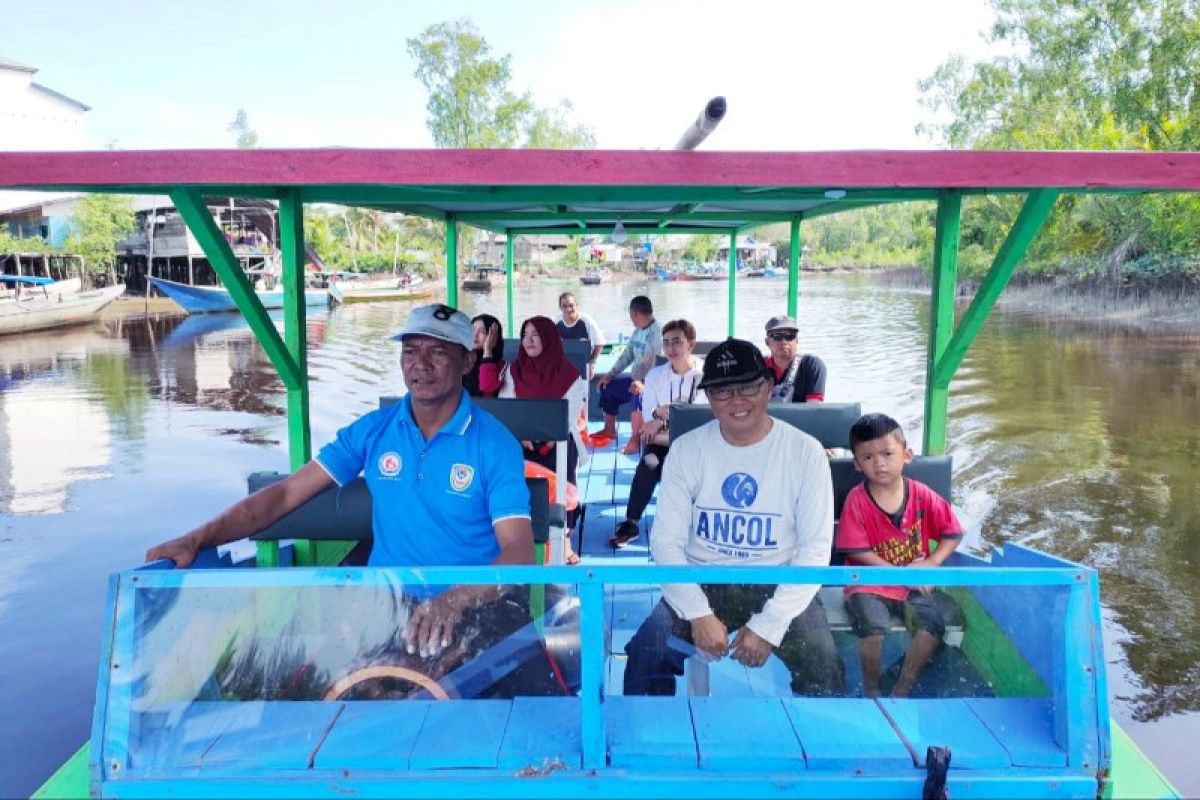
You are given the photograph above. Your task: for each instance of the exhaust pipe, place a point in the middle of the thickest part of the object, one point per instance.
(706, 123)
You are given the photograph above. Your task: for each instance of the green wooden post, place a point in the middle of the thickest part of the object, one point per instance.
(508, 270)
(941, 316)
(1037, 207)
(291, 243)
(732, 276)
(451, 261)
(295, 336)
(793, 299)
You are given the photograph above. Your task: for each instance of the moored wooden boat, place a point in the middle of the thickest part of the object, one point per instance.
(207, 299)
(393, 288)
(39, 307)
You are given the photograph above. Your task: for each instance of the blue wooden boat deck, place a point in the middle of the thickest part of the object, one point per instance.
(746, 736)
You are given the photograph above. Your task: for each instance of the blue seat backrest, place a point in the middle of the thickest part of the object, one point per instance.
(933, 471)
(344, 514)
(535, 420)
(577, 351)
(828, 423)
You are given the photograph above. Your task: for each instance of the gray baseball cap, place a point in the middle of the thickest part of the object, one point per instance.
(782, 323)
(439, 321)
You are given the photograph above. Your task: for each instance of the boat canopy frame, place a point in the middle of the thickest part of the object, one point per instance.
(576, 192)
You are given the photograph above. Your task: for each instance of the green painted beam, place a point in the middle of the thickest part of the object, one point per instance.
(793, 295)
(645, 217)
(291, 242)
(629, 229)
(295, 337)
(199, 220)
(941, 317)
(1029, 221)
(732, 280)
(508, 273)
(451, 261)
(554, 196)
(842, 206)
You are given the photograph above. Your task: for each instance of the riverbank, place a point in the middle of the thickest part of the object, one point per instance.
(1160, 311)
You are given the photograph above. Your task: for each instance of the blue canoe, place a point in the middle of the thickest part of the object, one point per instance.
(203, 299)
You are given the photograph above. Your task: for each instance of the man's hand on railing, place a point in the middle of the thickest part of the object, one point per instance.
(181, 550)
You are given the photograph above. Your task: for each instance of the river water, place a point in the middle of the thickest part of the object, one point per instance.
(1084, 442)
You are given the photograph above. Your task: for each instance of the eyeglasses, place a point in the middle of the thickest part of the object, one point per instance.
(782, 336)
(723, 393)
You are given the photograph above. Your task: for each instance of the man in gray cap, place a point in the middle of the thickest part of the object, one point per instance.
(796, 379)
(447, 481)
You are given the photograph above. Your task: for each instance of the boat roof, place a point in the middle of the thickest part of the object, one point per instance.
(583, 191)
(30, 279)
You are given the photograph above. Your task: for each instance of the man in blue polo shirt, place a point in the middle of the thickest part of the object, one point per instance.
(446, 480)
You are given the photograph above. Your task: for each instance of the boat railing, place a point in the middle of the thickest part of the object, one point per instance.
(213, 681)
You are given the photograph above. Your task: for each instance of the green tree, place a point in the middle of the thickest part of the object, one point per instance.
(1086, 75)
(571, 256)
(247, 137)
(471, 102)
(550, 129)
(701, 248)
(96, 224)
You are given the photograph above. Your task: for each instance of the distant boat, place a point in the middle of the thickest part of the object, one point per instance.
(39, 303)
(203, 299)
(481, 280)
(595, 277)
(390, 288)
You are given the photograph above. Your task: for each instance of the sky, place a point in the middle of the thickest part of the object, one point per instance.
(797, 75)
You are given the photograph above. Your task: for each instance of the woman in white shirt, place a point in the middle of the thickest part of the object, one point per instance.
(677, 381)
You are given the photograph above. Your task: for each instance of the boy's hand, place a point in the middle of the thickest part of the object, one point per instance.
(710, 636)
(924, 562)
(749, 648)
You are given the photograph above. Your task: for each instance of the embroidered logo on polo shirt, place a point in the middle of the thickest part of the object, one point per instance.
(461, 476)
(390, 464)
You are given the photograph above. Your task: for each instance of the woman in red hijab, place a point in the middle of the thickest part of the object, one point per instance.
(542, 372)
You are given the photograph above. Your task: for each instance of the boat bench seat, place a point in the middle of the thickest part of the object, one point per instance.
(344, 513)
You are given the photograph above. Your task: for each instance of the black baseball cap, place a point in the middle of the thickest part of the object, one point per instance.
(732, 361)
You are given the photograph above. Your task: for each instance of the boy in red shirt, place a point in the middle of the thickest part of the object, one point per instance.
(889, 520)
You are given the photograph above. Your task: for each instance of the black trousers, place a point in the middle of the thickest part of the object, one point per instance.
(645, 478)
